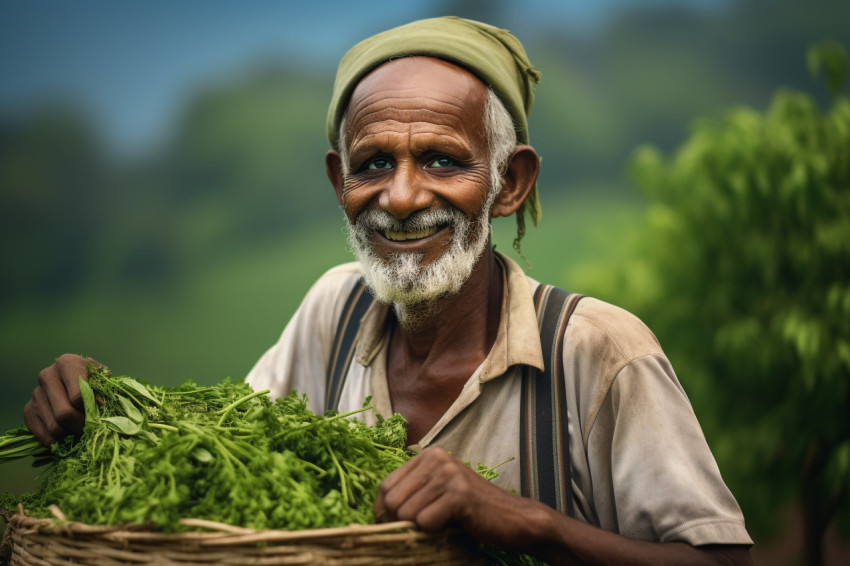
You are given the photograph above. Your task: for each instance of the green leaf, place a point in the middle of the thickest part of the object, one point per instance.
(89, 403)
(148, 436)
(132, 412)
(139, 388)
(202, 455)
(123, 425)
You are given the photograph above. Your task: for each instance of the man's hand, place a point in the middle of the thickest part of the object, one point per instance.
(56, 408)
(435, 489)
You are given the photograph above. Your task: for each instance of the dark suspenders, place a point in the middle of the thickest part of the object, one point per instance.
(544, 430)
(544, 433)
(342, 350)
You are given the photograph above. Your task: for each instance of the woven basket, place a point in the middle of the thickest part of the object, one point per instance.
(49, 542)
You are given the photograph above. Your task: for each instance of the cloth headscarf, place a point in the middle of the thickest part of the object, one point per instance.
(493, 55)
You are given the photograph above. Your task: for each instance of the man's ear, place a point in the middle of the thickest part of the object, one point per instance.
(517, 181)
(333, 168)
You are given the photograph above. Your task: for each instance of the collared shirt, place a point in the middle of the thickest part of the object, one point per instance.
(640, 464)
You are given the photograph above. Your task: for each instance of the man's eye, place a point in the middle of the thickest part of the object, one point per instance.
(442, 161)
(380, 164)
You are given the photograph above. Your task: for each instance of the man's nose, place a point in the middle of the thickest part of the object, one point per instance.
(405, 192)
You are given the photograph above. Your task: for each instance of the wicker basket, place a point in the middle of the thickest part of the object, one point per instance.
(30, 541)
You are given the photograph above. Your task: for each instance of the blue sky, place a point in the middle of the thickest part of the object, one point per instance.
(131, 64)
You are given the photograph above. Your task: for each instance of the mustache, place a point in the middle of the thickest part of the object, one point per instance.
(381, 220)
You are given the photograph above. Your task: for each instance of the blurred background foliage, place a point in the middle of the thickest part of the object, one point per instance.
(184, 255)
(742, 264)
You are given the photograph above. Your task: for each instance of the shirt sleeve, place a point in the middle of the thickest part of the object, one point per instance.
(298, 361)
(652, 466)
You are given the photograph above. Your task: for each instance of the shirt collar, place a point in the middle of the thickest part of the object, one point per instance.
(517, 339)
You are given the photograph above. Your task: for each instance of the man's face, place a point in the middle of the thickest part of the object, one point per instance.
(417, 195)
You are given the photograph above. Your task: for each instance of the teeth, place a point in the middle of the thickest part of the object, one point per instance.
(401, 236)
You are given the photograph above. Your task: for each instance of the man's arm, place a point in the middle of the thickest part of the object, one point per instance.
(435, 490)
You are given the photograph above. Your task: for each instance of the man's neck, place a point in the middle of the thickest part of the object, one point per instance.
(428, 366)
(467, 321)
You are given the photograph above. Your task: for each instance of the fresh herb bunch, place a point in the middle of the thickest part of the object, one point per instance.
(154, 455)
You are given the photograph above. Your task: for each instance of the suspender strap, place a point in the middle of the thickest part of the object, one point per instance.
(544, 437)
(342, 350)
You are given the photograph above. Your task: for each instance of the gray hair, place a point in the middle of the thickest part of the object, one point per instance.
(498, 129)
(501, 136)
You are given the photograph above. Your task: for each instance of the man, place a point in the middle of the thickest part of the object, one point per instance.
(428, 122)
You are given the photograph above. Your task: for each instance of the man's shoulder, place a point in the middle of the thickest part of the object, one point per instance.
(343, 270)
(598, 327)
(338, 280)
(612, 323)
(324, 301)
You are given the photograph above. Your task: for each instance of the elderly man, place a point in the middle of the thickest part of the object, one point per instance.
(428, 122)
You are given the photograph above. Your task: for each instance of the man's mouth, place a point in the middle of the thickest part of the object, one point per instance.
(416, 235)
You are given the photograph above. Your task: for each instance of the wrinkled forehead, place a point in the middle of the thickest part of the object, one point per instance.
(417, 84)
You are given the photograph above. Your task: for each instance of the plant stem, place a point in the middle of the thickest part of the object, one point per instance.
(228, 409)
(323, 421)
(348, 414)
(341, 472)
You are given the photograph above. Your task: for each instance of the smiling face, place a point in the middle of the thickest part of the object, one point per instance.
(417, 189)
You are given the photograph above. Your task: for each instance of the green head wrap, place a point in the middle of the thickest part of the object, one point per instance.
(492, 54)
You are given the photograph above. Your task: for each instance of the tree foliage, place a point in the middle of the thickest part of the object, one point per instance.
(744, 272)
(55, 149)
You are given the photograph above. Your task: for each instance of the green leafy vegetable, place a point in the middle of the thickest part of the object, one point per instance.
(20, 443)
(154, 455)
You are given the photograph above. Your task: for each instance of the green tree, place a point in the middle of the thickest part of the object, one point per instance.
(744, 272)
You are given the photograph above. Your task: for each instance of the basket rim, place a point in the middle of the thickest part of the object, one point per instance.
(214, 533)
(398, 543)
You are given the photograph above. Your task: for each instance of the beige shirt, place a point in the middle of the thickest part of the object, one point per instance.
(640, 463)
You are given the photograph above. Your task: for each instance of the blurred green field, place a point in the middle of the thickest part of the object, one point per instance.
(229, 311)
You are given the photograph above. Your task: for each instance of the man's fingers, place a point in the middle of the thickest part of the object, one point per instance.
(58, 425)
(410, 507)
(404, 489)
(70, 369)
(38, 417)
(424, 490)
(398, 486)
(436, 515)
(55, 407)
(33, 422)
(58, 402)
(399, 474)
(432, 507)
(379, 508)
(382, 510)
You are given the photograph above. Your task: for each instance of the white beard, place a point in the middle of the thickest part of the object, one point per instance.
(400, 278)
